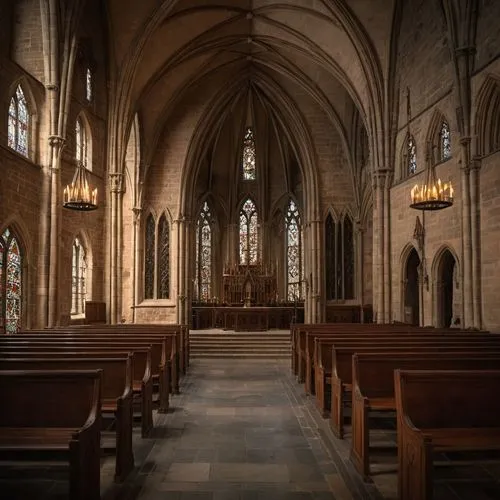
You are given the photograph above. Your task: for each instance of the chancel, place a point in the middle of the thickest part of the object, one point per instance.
(198, 195)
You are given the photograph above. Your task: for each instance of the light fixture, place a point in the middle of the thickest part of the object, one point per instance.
(433, 194)
(78, 195)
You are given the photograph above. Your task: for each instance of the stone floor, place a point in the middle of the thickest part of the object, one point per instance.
(244, 430)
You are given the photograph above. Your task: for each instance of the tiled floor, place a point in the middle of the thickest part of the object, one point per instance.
(244, 430)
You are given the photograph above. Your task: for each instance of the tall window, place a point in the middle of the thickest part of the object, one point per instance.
(78, 279)
(411, 156)
(444, 142)
(248, 170)
(249, 235)
(204, 254)
(88, 85)
(339, 251)
(157, 259)
(149, 265)
(81, 142)
(10, 283)
(18, 126)
(163, 256)
(294, 269)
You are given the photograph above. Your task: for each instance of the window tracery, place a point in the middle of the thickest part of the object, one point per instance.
(18, 123)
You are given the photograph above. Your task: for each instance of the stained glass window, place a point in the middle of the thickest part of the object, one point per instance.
(10, 283)
(18, 123)
(249, 235)
(163, 259)
(248, 156)
(204, 254)
(445, 141)
(78, 279)
(411, 155)
(88, 85)
(330, 236)
(293, 252)
(149, 265)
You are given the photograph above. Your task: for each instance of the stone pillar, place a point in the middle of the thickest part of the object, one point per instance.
(137, 274)
(359, 267)
(378, 246)
(56, 144)
(467, 305)
(116, 192)
(188, 234)
(475, 243)
(181, 270)
(315, 233)
(387, 248)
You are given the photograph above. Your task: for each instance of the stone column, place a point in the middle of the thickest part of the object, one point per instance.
(187, 270)
(475, 242)
(468, 311)
(359, 267)
(387, 248)
(116, 191)
(378, 246)
(137, 274)
(56, 144)
(315, 233)
(181, 269)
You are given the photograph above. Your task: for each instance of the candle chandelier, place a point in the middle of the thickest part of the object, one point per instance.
(433, 194)
(78, 195)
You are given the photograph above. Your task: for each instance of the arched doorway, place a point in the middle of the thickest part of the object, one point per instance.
(411, 294)
(446, 270)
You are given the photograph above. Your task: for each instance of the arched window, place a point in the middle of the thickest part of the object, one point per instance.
(411, 156)
(249, 235)
(10, 283)
(163, 256)
(294, 266)
(88, 85)
(204, 254)
(81, 143)
(339, 253)
(444, 142)
(248, 169)
(18, 126)
(149, 264)
(78, 279)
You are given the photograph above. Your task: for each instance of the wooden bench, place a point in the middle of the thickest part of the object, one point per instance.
(442, 411)
(341, 378)
(55, 411)
(373, 388)
(142, 382)
(160, 346)
(116, 396)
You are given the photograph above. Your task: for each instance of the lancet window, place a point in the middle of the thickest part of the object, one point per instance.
(204, 254)
(294, 265)
(249, 235)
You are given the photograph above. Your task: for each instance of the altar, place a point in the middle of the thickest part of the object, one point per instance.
(240, 319)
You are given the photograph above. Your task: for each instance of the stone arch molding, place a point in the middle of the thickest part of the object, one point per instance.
(403, 263)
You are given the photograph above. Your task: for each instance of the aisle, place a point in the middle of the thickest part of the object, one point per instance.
(241, 430)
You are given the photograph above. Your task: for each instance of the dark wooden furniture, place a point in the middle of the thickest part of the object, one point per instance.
(373, 387)
(116, 395)
(442, 411)
(55, 411)
(95, 312)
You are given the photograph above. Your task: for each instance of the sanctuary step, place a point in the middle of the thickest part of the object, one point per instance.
(250, 345)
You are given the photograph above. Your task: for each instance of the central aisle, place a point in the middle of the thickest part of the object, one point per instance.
(240, 431)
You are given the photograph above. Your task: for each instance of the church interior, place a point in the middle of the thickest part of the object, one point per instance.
(233, 168)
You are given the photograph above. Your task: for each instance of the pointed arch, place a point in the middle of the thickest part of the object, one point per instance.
(19, 121)
(248, 156)
(294, 252)
(83, 141)
(149, 255)
(79, 268)
(410, 262)
(439, 137)
(408, 157)
(11, 281)
(163, 259)
(488, 117)
(248, 232)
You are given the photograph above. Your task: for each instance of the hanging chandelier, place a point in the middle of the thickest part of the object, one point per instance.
(78, 195)
(433, 194)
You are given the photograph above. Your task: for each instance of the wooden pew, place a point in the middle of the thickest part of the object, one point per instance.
(341, 383)
(116, 395)
(159, 345)
(373, 388)
(142, 382)
(55, 411)
(323, 356)
(442, 411)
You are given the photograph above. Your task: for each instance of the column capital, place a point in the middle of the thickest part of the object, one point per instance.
(137, 211)
(116, 182)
